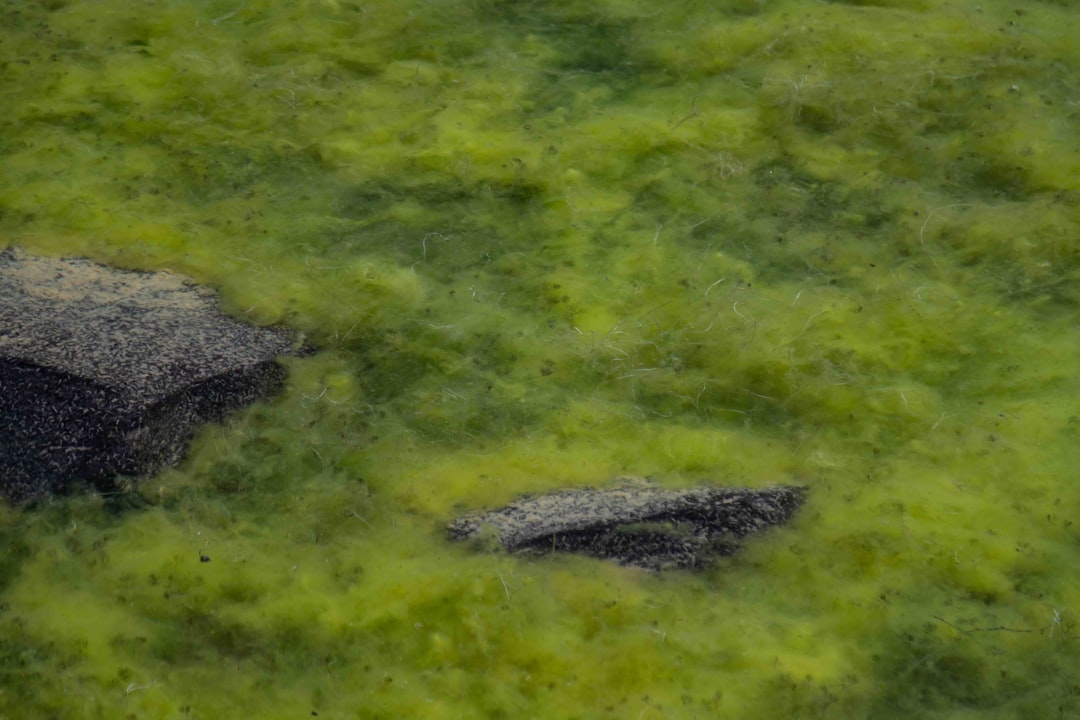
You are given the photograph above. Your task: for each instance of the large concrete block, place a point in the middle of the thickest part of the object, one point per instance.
(106, 372)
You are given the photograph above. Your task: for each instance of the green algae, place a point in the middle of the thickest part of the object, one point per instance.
(541, 245)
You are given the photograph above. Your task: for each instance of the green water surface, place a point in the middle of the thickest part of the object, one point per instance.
(541, 244)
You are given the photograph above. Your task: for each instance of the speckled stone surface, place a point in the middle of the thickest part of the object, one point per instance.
(637, 525)
(106, 372)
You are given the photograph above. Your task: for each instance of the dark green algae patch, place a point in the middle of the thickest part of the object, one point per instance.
(541, 245)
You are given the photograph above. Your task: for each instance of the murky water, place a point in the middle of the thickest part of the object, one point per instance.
(540, 245)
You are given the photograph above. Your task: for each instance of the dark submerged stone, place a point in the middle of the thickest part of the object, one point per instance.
(106, 372)
(644, 527)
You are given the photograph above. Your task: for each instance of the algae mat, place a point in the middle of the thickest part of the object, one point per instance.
(541, 244)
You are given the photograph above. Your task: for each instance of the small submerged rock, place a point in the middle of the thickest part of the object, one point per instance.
(106, 372)
(639, 526)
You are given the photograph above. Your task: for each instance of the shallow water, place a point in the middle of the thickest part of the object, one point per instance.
(544, 244)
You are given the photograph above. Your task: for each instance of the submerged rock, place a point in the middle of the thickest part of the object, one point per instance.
(106, 372)
(644, 527)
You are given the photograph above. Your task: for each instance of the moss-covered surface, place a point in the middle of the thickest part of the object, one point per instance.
(541, 244)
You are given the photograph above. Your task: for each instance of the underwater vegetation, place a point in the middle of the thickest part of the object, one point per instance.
(541, 244)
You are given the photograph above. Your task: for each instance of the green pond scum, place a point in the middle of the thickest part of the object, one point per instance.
(540, 244)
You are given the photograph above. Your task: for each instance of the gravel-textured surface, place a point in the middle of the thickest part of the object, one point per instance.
(637, 525)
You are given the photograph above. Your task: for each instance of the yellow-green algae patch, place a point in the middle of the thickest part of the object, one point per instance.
(541, 245)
